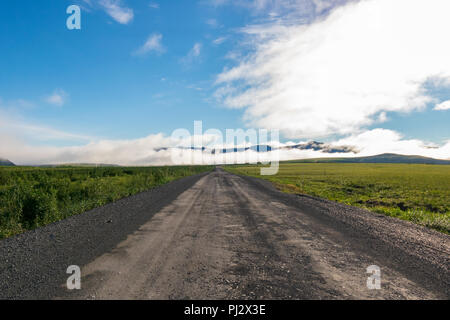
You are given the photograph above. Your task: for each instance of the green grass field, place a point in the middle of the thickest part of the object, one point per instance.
(413, 192)
(33, 197)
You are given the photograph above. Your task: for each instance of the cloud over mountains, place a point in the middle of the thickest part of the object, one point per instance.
(157, 150)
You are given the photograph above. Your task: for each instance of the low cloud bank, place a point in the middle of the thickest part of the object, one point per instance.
(158, 150)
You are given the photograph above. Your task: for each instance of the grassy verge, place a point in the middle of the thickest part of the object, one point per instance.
(417, 193)
(33, 197)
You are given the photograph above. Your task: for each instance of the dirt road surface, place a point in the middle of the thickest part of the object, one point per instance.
(223, 236)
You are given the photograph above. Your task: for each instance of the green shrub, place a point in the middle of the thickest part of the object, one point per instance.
(39, 208)
(32, 197)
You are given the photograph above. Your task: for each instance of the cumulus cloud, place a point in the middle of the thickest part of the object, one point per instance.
(57, 98)
(116, 10)
(443, 105)
(153, 43)
(340, 74)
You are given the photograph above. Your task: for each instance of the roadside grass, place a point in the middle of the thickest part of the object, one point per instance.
(412, 192)
(33, 197)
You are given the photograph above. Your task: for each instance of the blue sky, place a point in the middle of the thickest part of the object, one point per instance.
(111, 92)
(70, 88)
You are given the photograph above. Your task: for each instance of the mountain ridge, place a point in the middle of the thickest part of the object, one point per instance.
(380, 158)
(6, 162)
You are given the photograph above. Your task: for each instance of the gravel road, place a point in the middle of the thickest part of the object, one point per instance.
(223, 236)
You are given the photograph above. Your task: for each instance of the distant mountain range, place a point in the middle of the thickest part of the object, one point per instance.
(381, 158)
(312, 145)
(5, 162)
(78, 165)
(321, 146)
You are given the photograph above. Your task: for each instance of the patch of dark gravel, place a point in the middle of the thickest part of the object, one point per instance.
(33, 264)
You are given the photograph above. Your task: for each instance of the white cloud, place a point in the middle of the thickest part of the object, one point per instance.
(196, 50)
(57, 98)
(153, 5)
(443, 105)
(153, 43)
(131, 152)
(378, 141)
(323, 5)
(156, 150)
(219, 40)
(13, 125)
(16, 104)
(274, 9)
(212, 23)
(24, 142)
(193, 54)
(116, 10)
(88, 3)
(42, 133)
(339, 74)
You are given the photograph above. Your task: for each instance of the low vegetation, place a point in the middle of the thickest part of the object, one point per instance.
(33, 197)
(413, 192)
